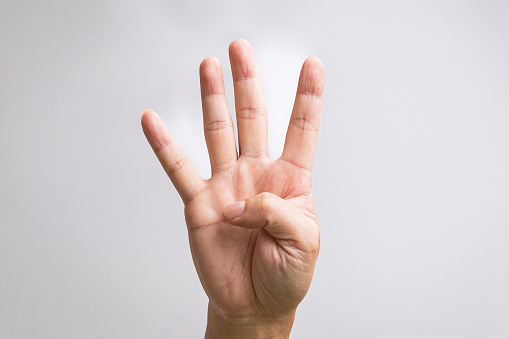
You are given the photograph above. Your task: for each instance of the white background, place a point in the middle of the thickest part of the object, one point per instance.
(410, 178)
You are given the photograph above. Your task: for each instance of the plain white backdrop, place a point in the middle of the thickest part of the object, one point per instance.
(410, 180)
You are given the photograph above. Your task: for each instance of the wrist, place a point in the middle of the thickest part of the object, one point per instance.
(221, 326)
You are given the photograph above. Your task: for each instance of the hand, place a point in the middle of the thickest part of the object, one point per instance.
(252, 226)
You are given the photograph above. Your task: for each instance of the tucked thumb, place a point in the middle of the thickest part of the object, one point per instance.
(234, 210)
(277, 216)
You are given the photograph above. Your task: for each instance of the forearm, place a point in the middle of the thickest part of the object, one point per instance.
(221, 327)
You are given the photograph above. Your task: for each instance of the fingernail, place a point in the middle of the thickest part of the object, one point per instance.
(234, 210)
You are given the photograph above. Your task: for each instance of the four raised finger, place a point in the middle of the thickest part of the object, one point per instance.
(302, 131)
(217, 122)
(249, 102)
(182, 173)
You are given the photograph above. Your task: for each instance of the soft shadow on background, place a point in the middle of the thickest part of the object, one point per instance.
(410, 177)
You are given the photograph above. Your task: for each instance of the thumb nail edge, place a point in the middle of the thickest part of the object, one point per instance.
(235, 210)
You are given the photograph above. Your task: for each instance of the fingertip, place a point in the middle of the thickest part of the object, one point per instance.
(312, 77)
(146, 111)
(149, 120)
(315, 63)
(209, 64)
(211, 76)
(314, 69)
(154, 129)
(239, 45)
(242, 60)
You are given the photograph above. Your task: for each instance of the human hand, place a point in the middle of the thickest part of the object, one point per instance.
(252, 226)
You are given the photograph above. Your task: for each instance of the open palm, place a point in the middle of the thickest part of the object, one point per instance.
(253, 231)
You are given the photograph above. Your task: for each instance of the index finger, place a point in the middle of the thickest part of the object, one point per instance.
(302, 131)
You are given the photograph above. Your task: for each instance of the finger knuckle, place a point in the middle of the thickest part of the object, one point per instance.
(177, 165)
(251, 113)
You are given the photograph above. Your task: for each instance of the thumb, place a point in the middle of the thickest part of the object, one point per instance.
(281, 220)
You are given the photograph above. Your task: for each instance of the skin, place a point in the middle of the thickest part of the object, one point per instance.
(253, 230)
